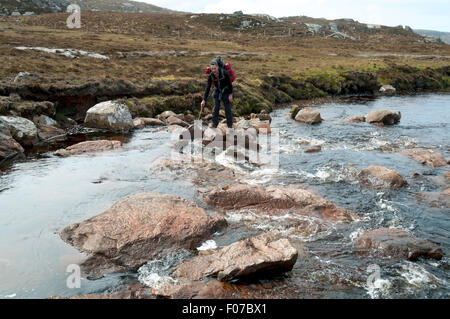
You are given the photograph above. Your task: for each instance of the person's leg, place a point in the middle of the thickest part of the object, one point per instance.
(215, 117)
(228, 113)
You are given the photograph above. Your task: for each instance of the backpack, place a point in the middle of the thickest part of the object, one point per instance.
(222, 66)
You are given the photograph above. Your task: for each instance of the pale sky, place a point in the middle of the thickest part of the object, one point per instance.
(418, 14)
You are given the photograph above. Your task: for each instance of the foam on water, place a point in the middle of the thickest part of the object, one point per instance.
(207, 245)
(157, 273)
(380, 288)
(302, 227)
(416, 276)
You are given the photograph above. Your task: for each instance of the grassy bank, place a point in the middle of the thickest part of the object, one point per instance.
(155, 71)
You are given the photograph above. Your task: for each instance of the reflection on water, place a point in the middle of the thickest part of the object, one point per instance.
(43, 194)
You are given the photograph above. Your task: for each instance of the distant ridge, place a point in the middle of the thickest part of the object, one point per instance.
(444, 36)
(29, 7)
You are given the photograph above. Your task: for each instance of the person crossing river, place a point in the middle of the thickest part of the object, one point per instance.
(223, 91)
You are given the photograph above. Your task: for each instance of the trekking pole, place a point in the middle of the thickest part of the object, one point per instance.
(200, 115)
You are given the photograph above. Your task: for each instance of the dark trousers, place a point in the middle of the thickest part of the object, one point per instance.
(227, 106)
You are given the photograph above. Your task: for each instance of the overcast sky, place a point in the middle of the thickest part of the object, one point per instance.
(419, 14)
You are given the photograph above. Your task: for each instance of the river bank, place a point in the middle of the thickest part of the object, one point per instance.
(30, 96)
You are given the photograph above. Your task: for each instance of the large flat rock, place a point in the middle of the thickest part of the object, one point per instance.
(141, 227)
(88, 147)
(274, 198)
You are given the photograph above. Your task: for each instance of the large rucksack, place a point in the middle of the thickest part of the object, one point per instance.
(222, 66)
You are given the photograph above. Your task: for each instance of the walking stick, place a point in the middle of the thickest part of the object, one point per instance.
(200, 115)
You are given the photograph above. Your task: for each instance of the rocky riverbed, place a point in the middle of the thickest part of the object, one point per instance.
(145, 219)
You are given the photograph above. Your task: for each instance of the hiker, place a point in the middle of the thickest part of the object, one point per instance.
(223, 91)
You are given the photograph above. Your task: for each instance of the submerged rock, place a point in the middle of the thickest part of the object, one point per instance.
(88, 147)
(22, 130)
(442, 180)
(379, 176)
(135, 291)
(356, 119)
(213, 289)
(383, 117)
(141, 227)
(397, 244)
(426, 157)
(314, 149)
(309, 116)
(248, 257)
(436, 199)
(111, 115)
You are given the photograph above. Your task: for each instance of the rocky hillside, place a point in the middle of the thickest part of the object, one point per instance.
(29, 7)
(436, 35)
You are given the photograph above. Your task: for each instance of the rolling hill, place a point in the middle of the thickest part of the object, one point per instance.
(28, 7)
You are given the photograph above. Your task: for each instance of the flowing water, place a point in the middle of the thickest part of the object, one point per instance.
(43, 194)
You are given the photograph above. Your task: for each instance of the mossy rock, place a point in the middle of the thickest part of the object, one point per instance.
(329, 83)
(294, 110)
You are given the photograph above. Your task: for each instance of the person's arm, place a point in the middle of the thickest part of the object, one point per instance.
(208, 88)
(230, 87)
(229, 82)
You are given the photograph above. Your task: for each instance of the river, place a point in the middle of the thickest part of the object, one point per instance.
(43, 194)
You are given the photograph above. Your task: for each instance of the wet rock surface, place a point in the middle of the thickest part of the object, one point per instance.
(356, 119)
(314, 149)
(249, 257)
(141, 227)
(88, 147)
(277, 200)
(135, 291)
(381, 177)
(398, 244)
(308, 116)
(383, 117)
